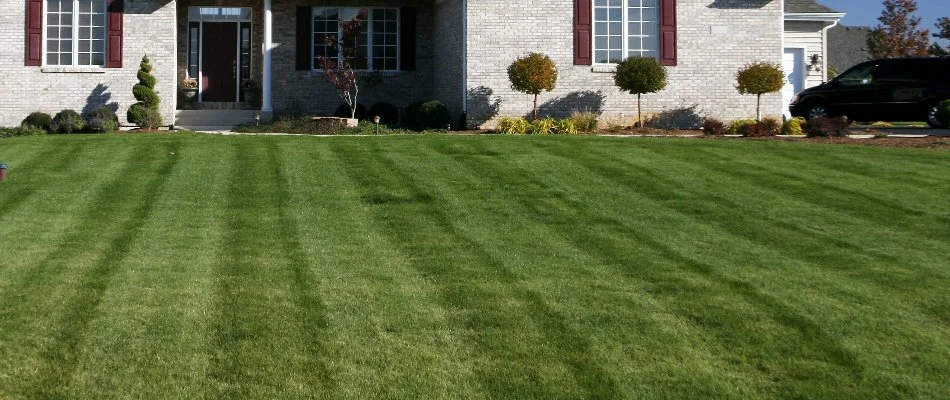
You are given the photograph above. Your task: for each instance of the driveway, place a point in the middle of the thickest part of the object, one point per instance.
(868, 130)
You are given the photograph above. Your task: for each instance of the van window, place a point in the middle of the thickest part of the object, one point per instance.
(902, 72)
(858, 76)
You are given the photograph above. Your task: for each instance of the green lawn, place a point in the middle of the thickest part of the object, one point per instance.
(186, 266)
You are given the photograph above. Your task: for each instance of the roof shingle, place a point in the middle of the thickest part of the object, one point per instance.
(806, 6)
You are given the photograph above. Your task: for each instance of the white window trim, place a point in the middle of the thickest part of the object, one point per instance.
(369, 39)
(609, 66)
(75, 43)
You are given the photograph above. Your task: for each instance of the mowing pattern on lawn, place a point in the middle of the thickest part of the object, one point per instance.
(471, 267)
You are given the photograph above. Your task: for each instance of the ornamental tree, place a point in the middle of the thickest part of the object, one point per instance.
(943, 32)
(759, 78)
(532, 74)
(639, 75)
(340, 68)
(145, 113)
(897, 35)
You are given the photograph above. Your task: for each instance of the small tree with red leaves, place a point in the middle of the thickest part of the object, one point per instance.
(340, 69)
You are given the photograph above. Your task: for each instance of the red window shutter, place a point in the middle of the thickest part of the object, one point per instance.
(114, 34)
(34, 33)
(668, 32)
(582, 32)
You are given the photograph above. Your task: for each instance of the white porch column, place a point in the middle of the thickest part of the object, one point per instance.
(266, 106)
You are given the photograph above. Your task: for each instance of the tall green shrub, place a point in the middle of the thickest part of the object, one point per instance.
(943, 113)
(38, 119)
(639, 75)
(759, 78)
(532, 74)
(67, 121)
(145, 113)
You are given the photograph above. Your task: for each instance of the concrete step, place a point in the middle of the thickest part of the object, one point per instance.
(227, 118)
(206, 128)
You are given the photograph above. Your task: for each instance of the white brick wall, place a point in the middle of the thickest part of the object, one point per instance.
(149, 29)
(500, 31)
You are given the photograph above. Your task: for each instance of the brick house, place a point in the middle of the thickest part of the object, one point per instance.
(83, 53)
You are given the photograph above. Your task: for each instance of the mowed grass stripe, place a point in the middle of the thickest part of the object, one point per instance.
(261, 316)
(634, 255)
(602, 161)
(150, 337)
(437, 246)
(474, 267)
(390, 338)
(645, 334)
(893, 256)
(119, 221)
(599, 294)
(21, 184)
(841, 196)
(43, 259)
(792, 330)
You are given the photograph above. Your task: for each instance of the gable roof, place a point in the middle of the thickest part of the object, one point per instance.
(806, 6)
(847, 46)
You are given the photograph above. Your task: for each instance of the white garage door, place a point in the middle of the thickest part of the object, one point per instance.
(793, 63)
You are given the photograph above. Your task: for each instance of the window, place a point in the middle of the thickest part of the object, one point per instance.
(377, 41)
(624, 28)
(858, 76)
(76, 32)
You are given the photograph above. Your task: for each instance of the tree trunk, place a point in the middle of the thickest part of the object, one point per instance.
(535, 106)
(758, 101)
(639, 114)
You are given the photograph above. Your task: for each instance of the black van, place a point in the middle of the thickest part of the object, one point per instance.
(897, 89)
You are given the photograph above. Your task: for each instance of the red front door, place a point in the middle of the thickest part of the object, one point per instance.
(219, 61)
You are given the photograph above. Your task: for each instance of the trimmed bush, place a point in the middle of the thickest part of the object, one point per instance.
(584, 121)
(943, 113)
(67, 121)
(760, 78)
(147, 118)
(388, 113)
(533, 74)
(428, 115)
(793, 127)
(827, 127)
(737, 127)
(344, 111)
(639, 75)
(39, 120)
(768, 127)
(713, 127)
(145, 113)
(102, 120)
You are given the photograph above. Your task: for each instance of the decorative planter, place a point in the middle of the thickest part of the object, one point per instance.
(251, 95)
(347, 122)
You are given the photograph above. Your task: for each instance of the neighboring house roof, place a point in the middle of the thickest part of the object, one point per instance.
(806, 6)
(847, 46)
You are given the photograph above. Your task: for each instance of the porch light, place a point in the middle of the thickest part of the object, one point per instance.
(815, 62)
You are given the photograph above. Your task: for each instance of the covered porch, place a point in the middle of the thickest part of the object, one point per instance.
(263, 55)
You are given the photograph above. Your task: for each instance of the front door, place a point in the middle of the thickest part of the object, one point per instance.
(219, 59)
(793, 63)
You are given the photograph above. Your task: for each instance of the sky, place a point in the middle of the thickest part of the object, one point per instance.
(865, 12)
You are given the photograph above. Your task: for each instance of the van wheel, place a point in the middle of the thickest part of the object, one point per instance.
(932, 119)
(816, 111)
